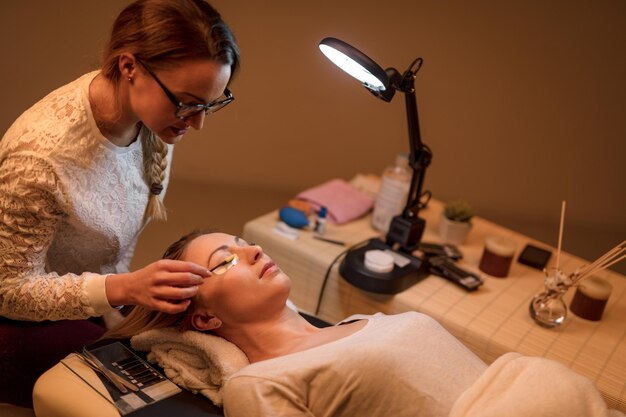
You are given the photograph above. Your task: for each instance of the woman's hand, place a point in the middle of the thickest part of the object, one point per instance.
(166, 285)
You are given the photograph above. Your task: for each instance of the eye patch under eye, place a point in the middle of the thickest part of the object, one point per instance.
(226, 264)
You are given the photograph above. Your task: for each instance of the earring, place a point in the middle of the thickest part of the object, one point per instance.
(130, 79)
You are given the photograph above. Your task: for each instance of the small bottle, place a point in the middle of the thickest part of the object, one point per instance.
(320, 222)
(393, 193)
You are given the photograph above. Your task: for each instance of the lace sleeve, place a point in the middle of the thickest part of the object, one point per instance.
(31, 201)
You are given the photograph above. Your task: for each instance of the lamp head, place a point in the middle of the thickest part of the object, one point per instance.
(359, 66)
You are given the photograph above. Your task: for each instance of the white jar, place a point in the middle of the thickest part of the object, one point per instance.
(393, 193)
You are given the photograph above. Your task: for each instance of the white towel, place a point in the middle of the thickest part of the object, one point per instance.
(196, 361)
(521, 386)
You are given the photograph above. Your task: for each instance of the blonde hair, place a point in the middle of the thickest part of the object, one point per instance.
(154, 166)
(162, 33)
(141, 319)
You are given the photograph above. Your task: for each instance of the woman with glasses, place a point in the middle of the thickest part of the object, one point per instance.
(84, 170)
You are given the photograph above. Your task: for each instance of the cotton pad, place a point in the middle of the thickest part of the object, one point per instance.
(378, 261)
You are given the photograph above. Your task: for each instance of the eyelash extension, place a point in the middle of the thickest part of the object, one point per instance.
(226, 261)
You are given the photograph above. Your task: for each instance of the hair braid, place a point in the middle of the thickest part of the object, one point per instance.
(154, 165)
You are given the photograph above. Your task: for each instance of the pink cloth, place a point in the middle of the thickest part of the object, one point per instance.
(343, 202)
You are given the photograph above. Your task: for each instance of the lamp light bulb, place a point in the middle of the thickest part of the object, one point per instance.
(353, 68)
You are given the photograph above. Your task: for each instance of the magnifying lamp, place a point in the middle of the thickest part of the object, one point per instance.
(406, 229)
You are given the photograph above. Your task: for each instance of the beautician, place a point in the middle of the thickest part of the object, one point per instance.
(85, 169)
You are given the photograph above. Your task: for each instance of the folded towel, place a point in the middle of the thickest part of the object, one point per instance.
(343, 201)
(521, 386)
(196, 361)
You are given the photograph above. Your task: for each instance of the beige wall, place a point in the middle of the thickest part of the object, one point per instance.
(522, 102)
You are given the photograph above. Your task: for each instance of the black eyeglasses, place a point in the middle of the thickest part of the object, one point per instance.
(184, 111)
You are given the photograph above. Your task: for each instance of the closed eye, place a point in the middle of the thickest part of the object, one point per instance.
(225, 265)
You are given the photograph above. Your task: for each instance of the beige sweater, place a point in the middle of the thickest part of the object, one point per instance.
(71, 209)
(400, 365)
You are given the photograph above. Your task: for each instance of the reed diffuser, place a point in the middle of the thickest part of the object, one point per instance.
(548, 308)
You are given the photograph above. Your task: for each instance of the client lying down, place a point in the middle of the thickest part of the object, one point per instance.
(380, 365)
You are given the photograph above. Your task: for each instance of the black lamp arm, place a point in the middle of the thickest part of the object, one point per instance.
(415, 137)
(420, 155)
(419, 159)
(414, 200)
(406, 84)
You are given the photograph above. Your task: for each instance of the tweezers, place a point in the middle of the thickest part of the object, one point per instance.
(120, 383)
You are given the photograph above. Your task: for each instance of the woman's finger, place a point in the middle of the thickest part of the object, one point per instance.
(173, 265)
(173, 293)
(177, 279)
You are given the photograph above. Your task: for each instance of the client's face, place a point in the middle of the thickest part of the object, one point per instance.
(249, 289)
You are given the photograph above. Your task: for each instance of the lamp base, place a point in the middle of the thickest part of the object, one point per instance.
(353, 270)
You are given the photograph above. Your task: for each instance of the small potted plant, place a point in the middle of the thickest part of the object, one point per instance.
(455, 221)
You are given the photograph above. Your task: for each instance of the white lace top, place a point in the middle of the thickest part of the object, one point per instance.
(71, 209)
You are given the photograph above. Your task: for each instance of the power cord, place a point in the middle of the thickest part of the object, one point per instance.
(329, 269)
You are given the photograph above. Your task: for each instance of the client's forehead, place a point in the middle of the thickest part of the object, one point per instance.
(201, 247)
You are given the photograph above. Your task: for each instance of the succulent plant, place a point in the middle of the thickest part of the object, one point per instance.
(459, 211)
